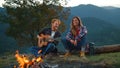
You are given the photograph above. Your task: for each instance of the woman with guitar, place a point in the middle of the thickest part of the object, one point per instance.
(47, 39)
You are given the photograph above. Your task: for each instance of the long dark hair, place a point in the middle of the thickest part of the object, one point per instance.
(73, 29)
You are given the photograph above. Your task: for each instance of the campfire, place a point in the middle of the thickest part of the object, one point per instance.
(25, 62)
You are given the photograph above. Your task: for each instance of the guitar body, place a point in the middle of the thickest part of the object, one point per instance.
(43, 41)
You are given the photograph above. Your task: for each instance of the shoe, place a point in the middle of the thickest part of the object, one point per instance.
(82, 54)
(67, 54)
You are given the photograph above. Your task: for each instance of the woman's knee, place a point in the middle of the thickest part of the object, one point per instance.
(84, 38)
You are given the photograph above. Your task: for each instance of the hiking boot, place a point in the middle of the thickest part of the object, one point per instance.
(67, 54)
(82, 54)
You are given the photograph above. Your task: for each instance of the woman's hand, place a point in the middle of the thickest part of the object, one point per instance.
(74, 42)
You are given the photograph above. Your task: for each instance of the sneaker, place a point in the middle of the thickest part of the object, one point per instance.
(67, 54)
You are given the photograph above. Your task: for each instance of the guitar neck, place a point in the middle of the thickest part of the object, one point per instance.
(53, 38)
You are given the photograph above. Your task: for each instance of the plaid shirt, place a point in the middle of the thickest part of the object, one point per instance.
(82, 32)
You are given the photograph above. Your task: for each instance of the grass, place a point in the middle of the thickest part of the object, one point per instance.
(7, 61)
(112, 59)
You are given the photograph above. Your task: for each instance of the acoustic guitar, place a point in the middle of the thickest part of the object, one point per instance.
(45, 39)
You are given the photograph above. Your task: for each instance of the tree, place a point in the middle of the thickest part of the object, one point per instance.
(2, 15)
(27, 17)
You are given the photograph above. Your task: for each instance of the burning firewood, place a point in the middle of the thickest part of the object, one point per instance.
(24, 61)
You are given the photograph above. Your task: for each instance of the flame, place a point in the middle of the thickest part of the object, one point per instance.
(22, 59)
(24, 62)
(14, 66)
(39, 59)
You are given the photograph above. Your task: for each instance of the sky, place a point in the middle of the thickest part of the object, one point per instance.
(114, 3)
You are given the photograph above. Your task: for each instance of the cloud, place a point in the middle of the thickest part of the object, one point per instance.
(1, 2)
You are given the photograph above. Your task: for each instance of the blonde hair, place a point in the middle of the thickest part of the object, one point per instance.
(73, 29)
(53, 20)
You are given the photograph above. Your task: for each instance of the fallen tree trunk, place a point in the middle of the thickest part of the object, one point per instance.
(107, 49)
(91, 49)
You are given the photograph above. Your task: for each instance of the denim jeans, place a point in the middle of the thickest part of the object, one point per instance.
(45, 49)
(80, 44)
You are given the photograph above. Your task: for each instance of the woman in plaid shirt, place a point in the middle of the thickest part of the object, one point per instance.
(76, 37)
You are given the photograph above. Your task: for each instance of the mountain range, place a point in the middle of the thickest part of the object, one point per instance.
(109, 14)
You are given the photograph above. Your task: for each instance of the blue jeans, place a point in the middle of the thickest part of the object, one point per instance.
(80, 44)
(45, 49)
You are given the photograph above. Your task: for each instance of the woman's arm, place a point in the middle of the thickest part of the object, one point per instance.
(69, 35)
(82, 33)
